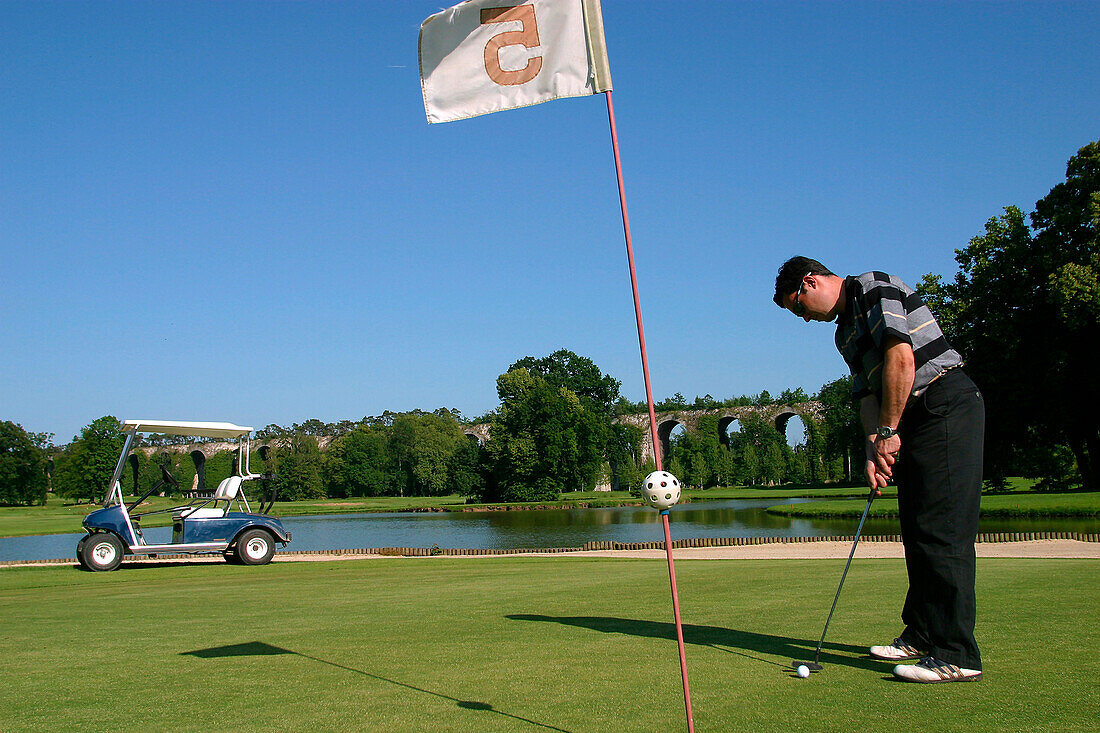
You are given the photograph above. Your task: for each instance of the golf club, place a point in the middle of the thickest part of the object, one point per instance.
(815, 666)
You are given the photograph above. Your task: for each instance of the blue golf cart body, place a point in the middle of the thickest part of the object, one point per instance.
(204, 527)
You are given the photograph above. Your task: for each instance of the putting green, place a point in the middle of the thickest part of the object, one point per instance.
(525, 644)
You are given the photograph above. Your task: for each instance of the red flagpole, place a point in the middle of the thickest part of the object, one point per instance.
(652, 412)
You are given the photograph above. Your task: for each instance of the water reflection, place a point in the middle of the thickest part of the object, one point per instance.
(548, 528)
(543, 528)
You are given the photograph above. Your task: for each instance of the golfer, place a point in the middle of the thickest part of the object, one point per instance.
(925, 422)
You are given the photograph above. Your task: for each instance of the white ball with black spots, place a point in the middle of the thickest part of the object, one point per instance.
(661, 489)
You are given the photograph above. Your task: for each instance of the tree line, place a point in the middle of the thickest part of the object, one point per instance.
(553, 432)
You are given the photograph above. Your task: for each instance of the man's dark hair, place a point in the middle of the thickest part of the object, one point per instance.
(791, 274)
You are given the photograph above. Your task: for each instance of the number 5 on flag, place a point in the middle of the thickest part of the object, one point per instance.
(527, 36)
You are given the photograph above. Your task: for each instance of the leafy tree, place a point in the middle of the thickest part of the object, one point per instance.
(544, 441)
(623, 451)
(699, 470)
(359, 464)
(798, 464)
(675, 466)
(422, 446)
(751, 466)
(751, 445)
(811, 455)
(87, 464)
(1024, 309)
(698, 452)
(669, 404)
(724, 468)
(343, 427)
(450, 413)
(299, 468)
(553, 429)
(271, 431)
(791, 397)
(627, 476)
(775, 463)
(22, 466)
(841, 430)
(565, 370)
(313, 427)
(465, 468)
(706, 402)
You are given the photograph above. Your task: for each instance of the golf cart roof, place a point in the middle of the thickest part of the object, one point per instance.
(176, 427)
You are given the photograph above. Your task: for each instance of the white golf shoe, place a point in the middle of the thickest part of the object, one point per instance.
(932, 670)
(897, 651)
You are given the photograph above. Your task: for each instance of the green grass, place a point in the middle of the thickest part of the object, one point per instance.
(525, 644)
(1080, 504)
(55, 517)
(354, 505)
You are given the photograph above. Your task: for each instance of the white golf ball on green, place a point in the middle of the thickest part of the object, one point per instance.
(803, 670)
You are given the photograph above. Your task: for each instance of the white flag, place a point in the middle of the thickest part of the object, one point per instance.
(485, 56)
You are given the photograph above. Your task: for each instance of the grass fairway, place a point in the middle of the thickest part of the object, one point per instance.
(525, 644)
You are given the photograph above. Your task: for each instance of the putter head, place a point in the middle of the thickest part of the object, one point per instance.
(812, 666)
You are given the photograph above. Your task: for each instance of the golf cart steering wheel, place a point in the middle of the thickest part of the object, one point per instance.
(168, 477)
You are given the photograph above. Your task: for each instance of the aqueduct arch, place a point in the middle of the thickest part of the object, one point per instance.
(199, 458)
(777, 415)
(479, 432)
(664, 433)
(724, 429)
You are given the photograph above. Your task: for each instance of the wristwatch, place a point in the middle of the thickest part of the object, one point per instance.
(885, 432)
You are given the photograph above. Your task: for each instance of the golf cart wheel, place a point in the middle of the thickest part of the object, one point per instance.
(255, 547)
(80, 551)
(100, 551)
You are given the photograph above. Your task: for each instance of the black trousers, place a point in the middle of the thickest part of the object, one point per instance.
(939, 477)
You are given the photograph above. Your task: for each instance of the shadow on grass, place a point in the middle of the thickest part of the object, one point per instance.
(129, 564)
(723, 639)
(154, 563)
(261, 649)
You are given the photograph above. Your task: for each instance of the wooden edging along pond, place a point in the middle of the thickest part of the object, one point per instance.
(435, 550)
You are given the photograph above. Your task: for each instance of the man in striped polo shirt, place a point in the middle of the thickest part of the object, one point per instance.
(925, 423)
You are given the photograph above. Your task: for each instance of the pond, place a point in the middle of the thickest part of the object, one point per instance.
(545, 528)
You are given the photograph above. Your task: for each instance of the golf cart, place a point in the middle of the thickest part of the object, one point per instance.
(203, 527)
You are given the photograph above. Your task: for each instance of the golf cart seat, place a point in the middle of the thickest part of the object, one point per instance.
(226, 491)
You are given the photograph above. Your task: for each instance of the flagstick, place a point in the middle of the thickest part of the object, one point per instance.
(652, 412)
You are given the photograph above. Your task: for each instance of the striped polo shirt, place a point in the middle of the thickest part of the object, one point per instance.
(880, 305)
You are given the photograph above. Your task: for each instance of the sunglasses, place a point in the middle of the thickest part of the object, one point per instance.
(797, 308)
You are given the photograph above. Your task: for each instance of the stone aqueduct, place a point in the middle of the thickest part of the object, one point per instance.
(777, 415)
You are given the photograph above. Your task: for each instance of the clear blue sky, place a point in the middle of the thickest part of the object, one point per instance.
(237, 211)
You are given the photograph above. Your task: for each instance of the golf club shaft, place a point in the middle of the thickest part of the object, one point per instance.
(859, 530)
